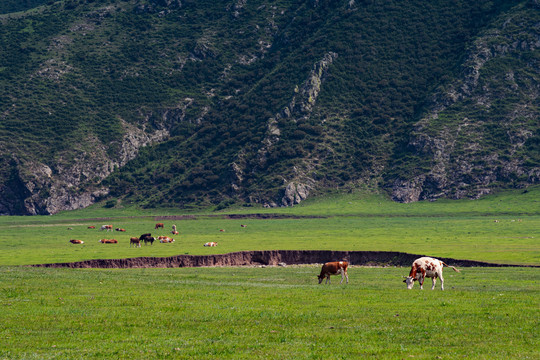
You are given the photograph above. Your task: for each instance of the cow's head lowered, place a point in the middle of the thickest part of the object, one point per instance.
(409, 280)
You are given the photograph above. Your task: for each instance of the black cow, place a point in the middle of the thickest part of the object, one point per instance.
(147, 238)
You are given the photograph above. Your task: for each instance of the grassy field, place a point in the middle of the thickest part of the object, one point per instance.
(276, 312)
(460, 229)
(273, 312)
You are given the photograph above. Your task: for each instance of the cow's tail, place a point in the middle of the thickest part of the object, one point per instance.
(456, 270)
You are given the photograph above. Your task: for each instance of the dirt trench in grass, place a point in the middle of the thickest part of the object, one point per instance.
(268, 258)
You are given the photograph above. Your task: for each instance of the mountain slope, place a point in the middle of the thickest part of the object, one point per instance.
(481, 131)
(167, 102)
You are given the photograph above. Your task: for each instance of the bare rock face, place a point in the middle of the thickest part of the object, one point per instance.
(407, 191)
(294, 194)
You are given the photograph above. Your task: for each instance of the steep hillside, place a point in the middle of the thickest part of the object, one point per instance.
(169, 102)
(13, 6)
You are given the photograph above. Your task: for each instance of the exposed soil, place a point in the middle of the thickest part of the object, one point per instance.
(271, 257)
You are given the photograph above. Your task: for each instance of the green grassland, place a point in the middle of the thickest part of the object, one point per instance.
(276, 312)
(261, 313)
(461, 229)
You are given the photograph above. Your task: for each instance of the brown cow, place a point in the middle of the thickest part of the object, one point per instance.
(120, 229)
(160, 225)
(242, 225)
(108, 241)
(74, 241)
(92, 227)
(334, 268)
(174, 232)
(135, 241)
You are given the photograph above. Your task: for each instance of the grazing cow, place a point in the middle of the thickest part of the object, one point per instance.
(92, 227)
(135, 241)
(212, 243)
(108, 241)
(222, 230)
(74, 241)
(426, 267)
(147, 238)
(106, 227)
(120, 229)
(160, 225)
(334, 268)
(242, 225)
(165, 239)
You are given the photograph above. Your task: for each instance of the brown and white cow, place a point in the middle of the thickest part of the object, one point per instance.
(426, 267)
(334, 268)
(108, 241)
(120, 229)
(174, 232)
(106, 227)
(165, 239)
(212, 243)
(160, 225)
(135, 241)
(74, 241)
(92, 227)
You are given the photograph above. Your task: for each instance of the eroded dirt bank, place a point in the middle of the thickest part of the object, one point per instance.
(270, 257)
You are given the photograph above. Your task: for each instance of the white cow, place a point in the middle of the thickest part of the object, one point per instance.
(426, 267)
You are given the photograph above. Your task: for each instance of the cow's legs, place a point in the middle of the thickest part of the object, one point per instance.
(342, 276)
(421, 281)
(433, 281)
(327, 279)
(442, 282)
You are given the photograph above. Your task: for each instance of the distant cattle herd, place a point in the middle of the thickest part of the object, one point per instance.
(146, 238)
(424, 267)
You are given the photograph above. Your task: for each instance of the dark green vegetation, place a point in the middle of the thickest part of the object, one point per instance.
(84, 84)
(261, 313)
(11, 6)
